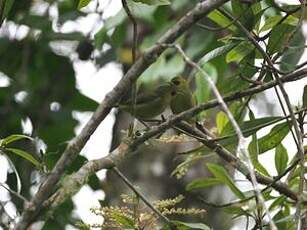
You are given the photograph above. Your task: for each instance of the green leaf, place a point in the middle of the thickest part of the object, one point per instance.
(203, 183)
(305, 96)
(83, 3)
(216, 53)
(239, 52)
(244, 13)
(221, 174)
(221, 121)
(253, 149)
(221, 20)
(203, 89)
(123, 220)
(277, 203)
(283, 220)
(239, 113)
(13, 138)
(281, 158)
(187, 226)
(252, 126)
(279, 37)
(101, 36)
(25, 155)
(273, 21)
(236, 211)
(154, 2)
(37, 22)
(50, 159)
(274, 138)
(270, 23)
(292, 56)
(7, 7)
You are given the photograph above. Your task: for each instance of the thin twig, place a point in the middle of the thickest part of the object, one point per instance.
(135, 31)
(14, 193)
(10, 219)
(142, 196)
(134, 50)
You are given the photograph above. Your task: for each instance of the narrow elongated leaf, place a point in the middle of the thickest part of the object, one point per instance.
(221, 174)
(101, 36)
(199, 226)
(216, 53)
(238, 113)
(13, 138)
(273, 21)
(236, 211)
(203, 88)
(252, 126)
(269, 23)
(290, 59)
(244, 13)
(279, 37)
(154, 2)
(83, 3)
(274, 138)
(123, 220)
(277, 202)
(239, 52)
(24, 155)
(281, 158)
(7, 7)
(203, 183)
(253, 149)
(221, 20)
(221, 121)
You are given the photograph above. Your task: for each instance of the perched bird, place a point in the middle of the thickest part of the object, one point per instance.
(151, 104)
(183, 98)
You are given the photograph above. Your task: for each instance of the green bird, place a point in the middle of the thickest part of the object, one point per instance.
(151, 104)
(183, 98)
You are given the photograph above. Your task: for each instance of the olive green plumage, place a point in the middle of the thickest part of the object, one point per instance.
(183, 98)
(151, 104)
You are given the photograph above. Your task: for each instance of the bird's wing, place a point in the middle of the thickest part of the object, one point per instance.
(141, 98)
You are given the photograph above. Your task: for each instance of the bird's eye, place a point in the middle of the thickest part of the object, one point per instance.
(173, 93)
(176, 82)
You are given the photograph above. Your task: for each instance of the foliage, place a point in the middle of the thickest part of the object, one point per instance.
(245, 47)
(132, 215)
